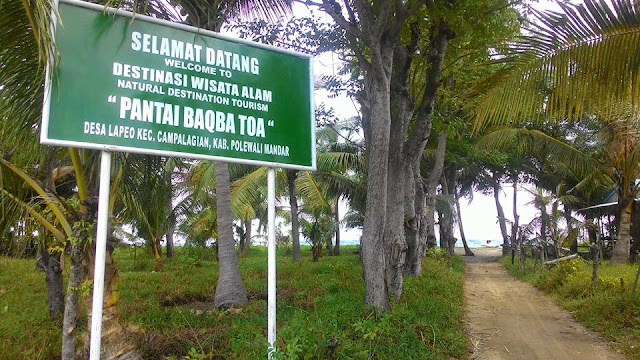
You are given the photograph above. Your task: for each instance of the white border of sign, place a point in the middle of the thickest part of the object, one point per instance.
(47, 99)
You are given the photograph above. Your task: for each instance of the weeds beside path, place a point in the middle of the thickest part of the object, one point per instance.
(509, 319)
(608, 306)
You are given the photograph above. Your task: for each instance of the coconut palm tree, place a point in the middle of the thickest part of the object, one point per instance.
(320, 190)
(575, 64)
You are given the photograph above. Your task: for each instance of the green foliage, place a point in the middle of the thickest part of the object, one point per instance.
(607, 307)
(319, 310)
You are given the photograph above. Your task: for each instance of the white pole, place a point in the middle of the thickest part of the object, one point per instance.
(271, 273)
(101, 251)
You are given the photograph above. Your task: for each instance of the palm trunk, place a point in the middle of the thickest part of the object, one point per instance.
(635, 232)
(336, 218)
(570, 231)
(295, 224)
(595, 251)
(516, 217)
(247, 237)
(501, 218)
(623, 245)
(76, 277)
(49, 263)
(171, 227)
(467, 251)
(229, 291)
(543, 233)
(115, 342)
(155, 251)
(635, 282)
(329, 243)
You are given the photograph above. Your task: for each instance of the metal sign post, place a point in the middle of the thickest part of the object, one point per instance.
(101, 252)
(271, 262)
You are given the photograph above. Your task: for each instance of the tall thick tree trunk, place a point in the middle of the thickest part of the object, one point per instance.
(336, 218)
(416, 213)
(467, 251)
(229, 291)
(451, 188)
(501, 218)
(295, 224)
(416, 210)
(447, 240)
(431, 187)
(398, 174)
(445, 226)
(623, 245)
(416, 254)
(395, 245)
(377, 131)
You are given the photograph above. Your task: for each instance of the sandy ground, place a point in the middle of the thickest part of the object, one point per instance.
(509, 319)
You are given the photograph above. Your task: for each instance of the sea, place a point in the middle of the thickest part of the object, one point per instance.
(473, 243)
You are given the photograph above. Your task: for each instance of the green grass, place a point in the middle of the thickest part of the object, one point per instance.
(608, 307)
(318, 304)
(26, 331)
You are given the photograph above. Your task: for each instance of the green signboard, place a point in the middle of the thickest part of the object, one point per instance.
(133, 83)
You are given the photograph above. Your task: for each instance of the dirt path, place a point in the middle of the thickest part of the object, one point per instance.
(509, 319)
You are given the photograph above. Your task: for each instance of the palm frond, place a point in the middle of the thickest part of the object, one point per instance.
(592, 183)
(339, 161)
(583, 60)
(205, 13)
(50, 201)
(202, 178)
(340, 185)
(528, 141)
(313, 195)
(36, 214)
(248, 190)
(25, 47)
